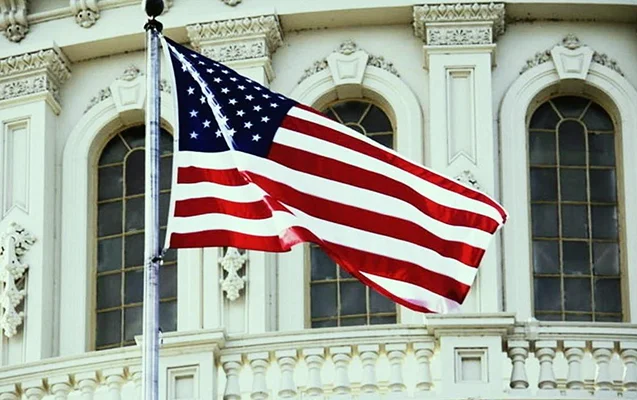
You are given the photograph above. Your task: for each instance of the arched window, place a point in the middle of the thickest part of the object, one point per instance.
(574, 212)
(337, 298)
(120, 240)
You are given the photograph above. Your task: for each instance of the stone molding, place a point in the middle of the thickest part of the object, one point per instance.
(14, 243)
(237, 39)
(13, 19)
(86, 12)
(348, 48)
(42, 71)
(459, 24)
(570, 44)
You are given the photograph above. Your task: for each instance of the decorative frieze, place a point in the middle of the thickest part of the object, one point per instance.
(237, 39)
(86, 12)
(459, 24)
(31, 73)
(570, 44)
(13, 19)
(348, 48)
(14, 243)
(232, 262)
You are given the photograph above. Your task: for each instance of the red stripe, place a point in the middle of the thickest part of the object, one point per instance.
(356, 144)
(348, 258)
(211, 205)
(228, 177)
(334, 170)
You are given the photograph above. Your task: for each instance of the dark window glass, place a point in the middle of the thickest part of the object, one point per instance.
(120, 243)
(363, 117)
(574, 212)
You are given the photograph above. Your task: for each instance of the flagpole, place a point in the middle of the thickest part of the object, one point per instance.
(152, 252)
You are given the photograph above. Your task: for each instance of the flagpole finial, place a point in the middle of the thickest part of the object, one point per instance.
(153, 8)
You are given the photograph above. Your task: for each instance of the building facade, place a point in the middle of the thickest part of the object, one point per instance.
(532, 102)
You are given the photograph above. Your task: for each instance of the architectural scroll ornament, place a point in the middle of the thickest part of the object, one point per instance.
(13, 244)
(13, 19)
(347, 48)
(570, 42)
(455, 13)
(86, 12)
(468, 179)
(232, 262)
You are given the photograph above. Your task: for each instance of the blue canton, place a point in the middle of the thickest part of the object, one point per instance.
(251, 112)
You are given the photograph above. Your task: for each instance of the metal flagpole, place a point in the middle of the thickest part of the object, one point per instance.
(152, 251)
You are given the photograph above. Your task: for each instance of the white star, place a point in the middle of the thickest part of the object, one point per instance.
(240, 113)
(255, 138)
(183, 67)
(257, 108)
(274, 105)
(195, 75)
(257, 88)
(202, 63)
(249, 97)
(217, 79)
(241, 87)
(191, 90)
(231, 132)
(218, 133)
(202, 99)
(265, 96)
(193, 135)
(193, 55)
(193, 113)
(225, 71)
(206, 124)
(265, 119)
(281, 97)
(232, 101)
(225, 90)
(223, 120)
(233, 79)
(209, 70)
(247, 125)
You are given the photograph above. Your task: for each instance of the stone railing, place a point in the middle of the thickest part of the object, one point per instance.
(451, 357)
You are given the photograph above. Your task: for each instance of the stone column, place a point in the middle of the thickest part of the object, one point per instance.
(29, 106)
(245, 45)
(459, 54)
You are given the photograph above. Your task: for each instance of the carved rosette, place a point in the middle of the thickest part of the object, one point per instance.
(13, 19)
(38, 72)
(14, 243)
(232, 262)
(459, 24)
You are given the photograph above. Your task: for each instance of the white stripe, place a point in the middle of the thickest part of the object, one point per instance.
(332, 232)
(415, 294)
(329, 190)
(239, 194)
(435, 192)
(354, 158)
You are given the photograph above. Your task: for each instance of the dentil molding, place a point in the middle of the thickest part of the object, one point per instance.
(349, 49)
(33, 73)
(572, 58)
(459, 24)
(14, 243)
(232, 262)
(237, 39)
(13, 19)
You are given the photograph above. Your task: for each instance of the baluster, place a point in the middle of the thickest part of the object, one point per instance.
(369, 355)
(8, 392)
(114, 379)
(518, 352)
(60, 387)
(574, 352)
(136, 376)
(629, 356)
(396, 355)
(424, 351)
(341, 356)
(231, 365)
(314, 359)
(34, 390)
(545, 353)
(602, 352)
(287, 362)
(259, 362)
(87, 383)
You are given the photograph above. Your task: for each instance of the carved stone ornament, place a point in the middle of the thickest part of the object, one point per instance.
(453, 14)
(458, 36)
(348, 48)
(231, 3)
(13, 19)
(237, 39)
(232, 262)
(468, 179)
(13, 244)
(31, 73)
(571, 54)
(86, 12)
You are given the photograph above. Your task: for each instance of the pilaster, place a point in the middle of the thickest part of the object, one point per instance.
(459, 54)
(29, 104)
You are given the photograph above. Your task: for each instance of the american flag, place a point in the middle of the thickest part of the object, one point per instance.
(257, 170)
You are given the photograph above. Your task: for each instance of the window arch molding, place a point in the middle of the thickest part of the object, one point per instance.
(79, 160)
(401, 105)
(610, 90)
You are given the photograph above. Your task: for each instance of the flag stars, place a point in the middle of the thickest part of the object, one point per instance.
(225, 90)
(193, 113)
(233, 79)
(241, 87)
(225, 71)
(265, 119)
(206, 124)
(232, 101)
(274, 105)
(265, 96)
(184, 67)
(247, 125)
(218, 133)
(202, 99)
(257, 108)
(191, 90)
(194, 135)
(209, 70)
(255, 138)
(217, 79)
(249, 97)
(202, 63)
(231, 132)
(241, 113)
(257, 88)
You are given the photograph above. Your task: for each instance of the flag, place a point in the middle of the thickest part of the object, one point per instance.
(256, 170)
